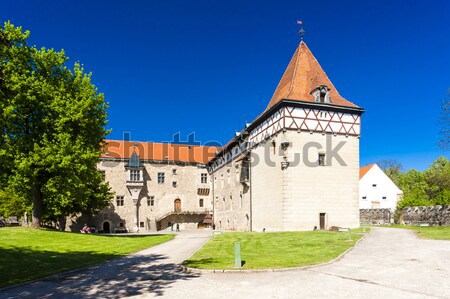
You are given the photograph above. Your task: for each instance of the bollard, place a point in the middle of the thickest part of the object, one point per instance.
(237, 255)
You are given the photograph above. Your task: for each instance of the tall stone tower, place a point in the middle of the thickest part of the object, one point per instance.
(296, 166)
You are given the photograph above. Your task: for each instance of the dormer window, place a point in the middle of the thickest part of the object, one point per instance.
(321, 94)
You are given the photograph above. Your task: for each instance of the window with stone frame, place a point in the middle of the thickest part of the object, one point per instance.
(103, 173)
(161, 177)
(135, 175)
(120, 201)
(204, 178)
(151, 201)
(200, 202)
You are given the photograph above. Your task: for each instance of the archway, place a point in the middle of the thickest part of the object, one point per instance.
(106, 227)
(177, 205)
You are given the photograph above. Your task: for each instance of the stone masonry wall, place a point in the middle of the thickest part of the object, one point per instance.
(433, 215)
(376, 216)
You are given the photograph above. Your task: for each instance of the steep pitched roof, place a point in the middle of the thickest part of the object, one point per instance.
(363, 170)
(134, 161)
(301, 76)
(118, 149)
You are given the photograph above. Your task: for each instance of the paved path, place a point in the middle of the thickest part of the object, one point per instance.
(388, 263)
(150, 271)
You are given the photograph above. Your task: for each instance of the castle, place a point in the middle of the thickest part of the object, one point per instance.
(295, 167)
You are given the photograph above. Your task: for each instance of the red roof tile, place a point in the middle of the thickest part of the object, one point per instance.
(159, 151)
(301, 76)
(363, 170)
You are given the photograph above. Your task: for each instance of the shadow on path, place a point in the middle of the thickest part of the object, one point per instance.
(129, 276)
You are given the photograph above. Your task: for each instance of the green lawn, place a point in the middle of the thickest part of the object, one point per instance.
(272, 250)
(27, 254)
(428, 232)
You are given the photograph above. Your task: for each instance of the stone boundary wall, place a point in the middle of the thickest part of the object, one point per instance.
(376, 216)
(433, 215)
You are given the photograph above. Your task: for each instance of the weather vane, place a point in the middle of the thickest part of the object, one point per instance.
(302, 31)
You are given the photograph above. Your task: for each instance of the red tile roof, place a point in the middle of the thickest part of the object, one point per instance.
(301, 76)
(363, 170)
(119, 149)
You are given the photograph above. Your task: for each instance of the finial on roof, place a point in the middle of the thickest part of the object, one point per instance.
(302, 31)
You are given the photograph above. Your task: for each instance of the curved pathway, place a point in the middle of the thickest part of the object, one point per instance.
(388, 263)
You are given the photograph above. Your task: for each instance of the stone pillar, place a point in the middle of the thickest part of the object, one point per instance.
(135, 191)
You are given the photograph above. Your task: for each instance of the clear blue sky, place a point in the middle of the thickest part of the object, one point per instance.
(209, 66)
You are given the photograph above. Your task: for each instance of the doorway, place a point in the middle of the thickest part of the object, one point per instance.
(177, 205)
(106, 227)
(322, 221)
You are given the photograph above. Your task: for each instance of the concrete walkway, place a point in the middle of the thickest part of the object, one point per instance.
(388, 263)
(150, 271)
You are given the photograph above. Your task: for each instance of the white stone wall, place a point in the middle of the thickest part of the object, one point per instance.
(188, 179)
(231, 198)
(384, 195)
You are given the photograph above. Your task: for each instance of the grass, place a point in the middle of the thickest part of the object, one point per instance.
(272, 250)
(27, 254)
(427, 232)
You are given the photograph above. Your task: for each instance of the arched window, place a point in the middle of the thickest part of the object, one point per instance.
(177, 205)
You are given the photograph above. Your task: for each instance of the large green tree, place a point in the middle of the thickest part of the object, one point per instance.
(53, 126)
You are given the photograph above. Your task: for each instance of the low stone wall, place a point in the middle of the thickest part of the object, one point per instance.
(434, 215)
(376, 216)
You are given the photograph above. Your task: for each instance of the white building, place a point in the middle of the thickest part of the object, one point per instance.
(376, 189)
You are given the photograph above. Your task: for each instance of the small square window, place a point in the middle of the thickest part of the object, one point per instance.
(174, 184)
(121, 224)
(174, 171)
(120, 201)
(141, 224)
(364, 197)
(384, 197)
(374, 185)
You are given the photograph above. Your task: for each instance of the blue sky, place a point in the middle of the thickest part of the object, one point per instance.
(209, 66)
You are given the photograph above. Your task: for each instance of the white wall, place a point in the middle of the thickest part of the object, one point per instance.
(385, 191)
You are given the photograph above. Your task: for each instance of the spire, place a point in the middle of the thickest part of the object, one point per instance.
(301, 77)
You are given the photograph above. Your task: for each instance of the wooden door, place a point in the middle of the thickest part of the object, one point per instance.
(177, 205)
(322, 221)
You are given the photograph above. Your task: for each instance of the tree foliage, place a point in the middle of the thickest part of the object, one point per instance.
(427, 188)
(53, 126)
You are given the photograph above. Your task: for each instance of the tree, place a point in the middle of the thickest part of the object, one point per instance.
(392, 169)
(438, 180)
(53, 128)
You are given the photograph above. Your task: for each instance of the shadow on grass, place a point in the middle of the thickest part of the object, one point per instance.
(127, 276)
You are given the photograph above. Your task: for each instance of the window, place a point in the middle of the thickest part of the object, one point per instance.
(174, 171)
(119, 201)
(374, 185)
(364, 197)
(135, 175)
(121, 224)
(151, 201)
(204, 178)
(321, 159)
(174, 184)
(200, 202)
(161, 177)
(141, 224)
(384, 197)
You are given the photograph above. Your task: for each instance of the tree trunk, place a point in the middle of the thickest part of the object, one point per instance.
(62, 223)
(37, 206)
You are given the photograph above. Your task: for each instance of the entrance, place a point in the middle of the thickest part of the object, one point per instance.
(322, 221)
(177, 205)
(106, 228)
